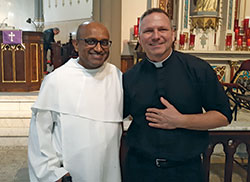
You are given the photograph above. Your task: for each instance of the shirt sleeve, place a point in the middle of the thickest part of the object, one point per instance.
(213, 95)
(126, 102)
(43, 156)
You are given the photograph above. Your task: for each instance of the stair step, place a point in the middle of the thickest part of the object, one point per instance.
(15, 114)
(16, 123)
(14, 141)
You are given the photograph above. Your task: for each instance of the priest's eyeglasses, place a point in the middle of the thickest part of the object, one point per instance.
(92, 42)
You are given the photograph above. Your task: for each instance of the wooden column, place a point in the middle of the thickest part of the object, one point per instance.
(206, 161)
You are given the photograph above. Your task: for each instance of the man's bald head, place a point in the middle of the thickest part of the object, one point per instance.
(92, 44)
(84, 29)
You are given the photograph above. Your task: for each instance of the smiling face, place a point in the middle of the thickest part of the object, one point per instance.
(156, 36)
(92, 57)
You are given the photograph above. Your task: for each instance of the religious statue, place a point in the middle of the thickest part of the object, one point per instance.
(206, 5)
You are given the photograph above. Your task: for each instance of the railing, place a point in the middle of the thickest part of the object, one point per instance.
(230, 137)
(230, 141)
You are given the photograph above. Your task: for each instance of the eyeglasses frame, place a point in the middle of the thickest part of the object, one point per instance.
(97, 41)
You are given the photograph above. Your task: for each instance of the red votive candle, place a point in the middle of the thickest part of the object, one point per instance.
(236, 23)
(239, 41)
(246, 24)
(248, 42)
(228, 40)
(192, 39)
(182, 39)
(138, 21)
(247, 33)
(135, 30)
(236, 31)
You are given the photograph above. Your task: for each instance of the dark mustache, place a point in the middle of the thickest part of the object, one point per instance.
(97, 52)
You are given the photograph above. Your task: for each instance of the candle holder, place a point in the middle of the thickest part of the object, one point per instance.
(247, 33)
(181, 47)
(228, 42)
(191, 42)
(236, 23)
(138, 21)
(248, 44)
(239, 46)
(245, 24)
(248, 48)
(236, 33)
(135, 32)
(182, 41)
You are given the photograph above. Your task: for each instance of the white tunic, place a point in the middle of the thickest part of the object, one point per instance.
(76, 124)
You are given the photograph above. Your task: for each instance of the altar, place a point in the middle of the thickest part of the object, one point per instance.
(225, 63)
(21, 64)
(218, 33)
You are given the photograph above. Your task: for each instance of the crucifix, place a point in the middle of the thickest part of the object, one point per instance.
(11, 35)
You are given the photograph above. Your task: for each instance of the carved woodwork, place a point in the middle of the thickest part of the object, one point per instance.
(230, 141)
(62, 53)
(21, 65)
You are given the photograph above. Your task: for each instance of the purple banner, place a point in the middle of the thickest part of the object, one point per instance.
(12, 36)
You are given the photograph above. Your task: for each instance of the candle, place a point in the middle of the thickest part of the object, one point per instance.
(138, 21)
(239, 41)
(248, 42)
(182, 39)
(246, 24)
(192, 40)
(247, 33)
(236, 31)
(229, 40)
(236, 23)
(135, 30)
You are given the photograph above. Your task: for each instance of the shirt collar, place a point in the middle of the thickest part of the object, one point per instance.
(89, 70)
(160, 63)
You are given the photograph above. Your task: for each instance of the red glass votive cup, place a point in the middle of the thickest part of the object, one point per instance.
(236, 23)
(138, 21)
(192, 40)
(246, 24)
(248, 43)
(239, 42)
(228, 42)
(135, 31)
(236, 31)
(182, 39)
(247, 33)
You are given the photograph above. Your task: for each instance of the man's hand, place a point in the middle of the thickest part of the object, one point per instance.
(167, 118)
(171, 118)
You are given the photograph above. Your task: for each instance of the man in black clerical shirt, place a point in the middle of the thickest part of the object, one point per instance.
(166, 94)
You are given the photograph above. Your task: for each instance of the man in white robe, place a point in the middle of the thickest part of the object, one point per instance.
(75, 128)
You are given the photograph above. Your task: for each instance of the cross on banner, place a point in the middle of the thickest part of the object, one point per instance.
(12, 36)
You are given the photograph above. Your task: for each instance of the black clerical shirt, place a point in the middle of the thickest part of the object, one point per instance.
(189, 84)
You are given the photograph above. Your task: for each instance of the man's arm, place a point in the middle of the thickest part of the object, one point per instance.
(171, 118)
(126, 99)
(44, 163)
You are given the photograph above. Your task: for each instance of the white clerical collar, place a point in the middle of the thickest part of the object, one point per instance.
(89, 70)
(160, 63)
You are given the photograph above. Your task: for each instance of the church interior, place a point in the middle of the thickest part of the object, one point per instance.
(218, 32)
